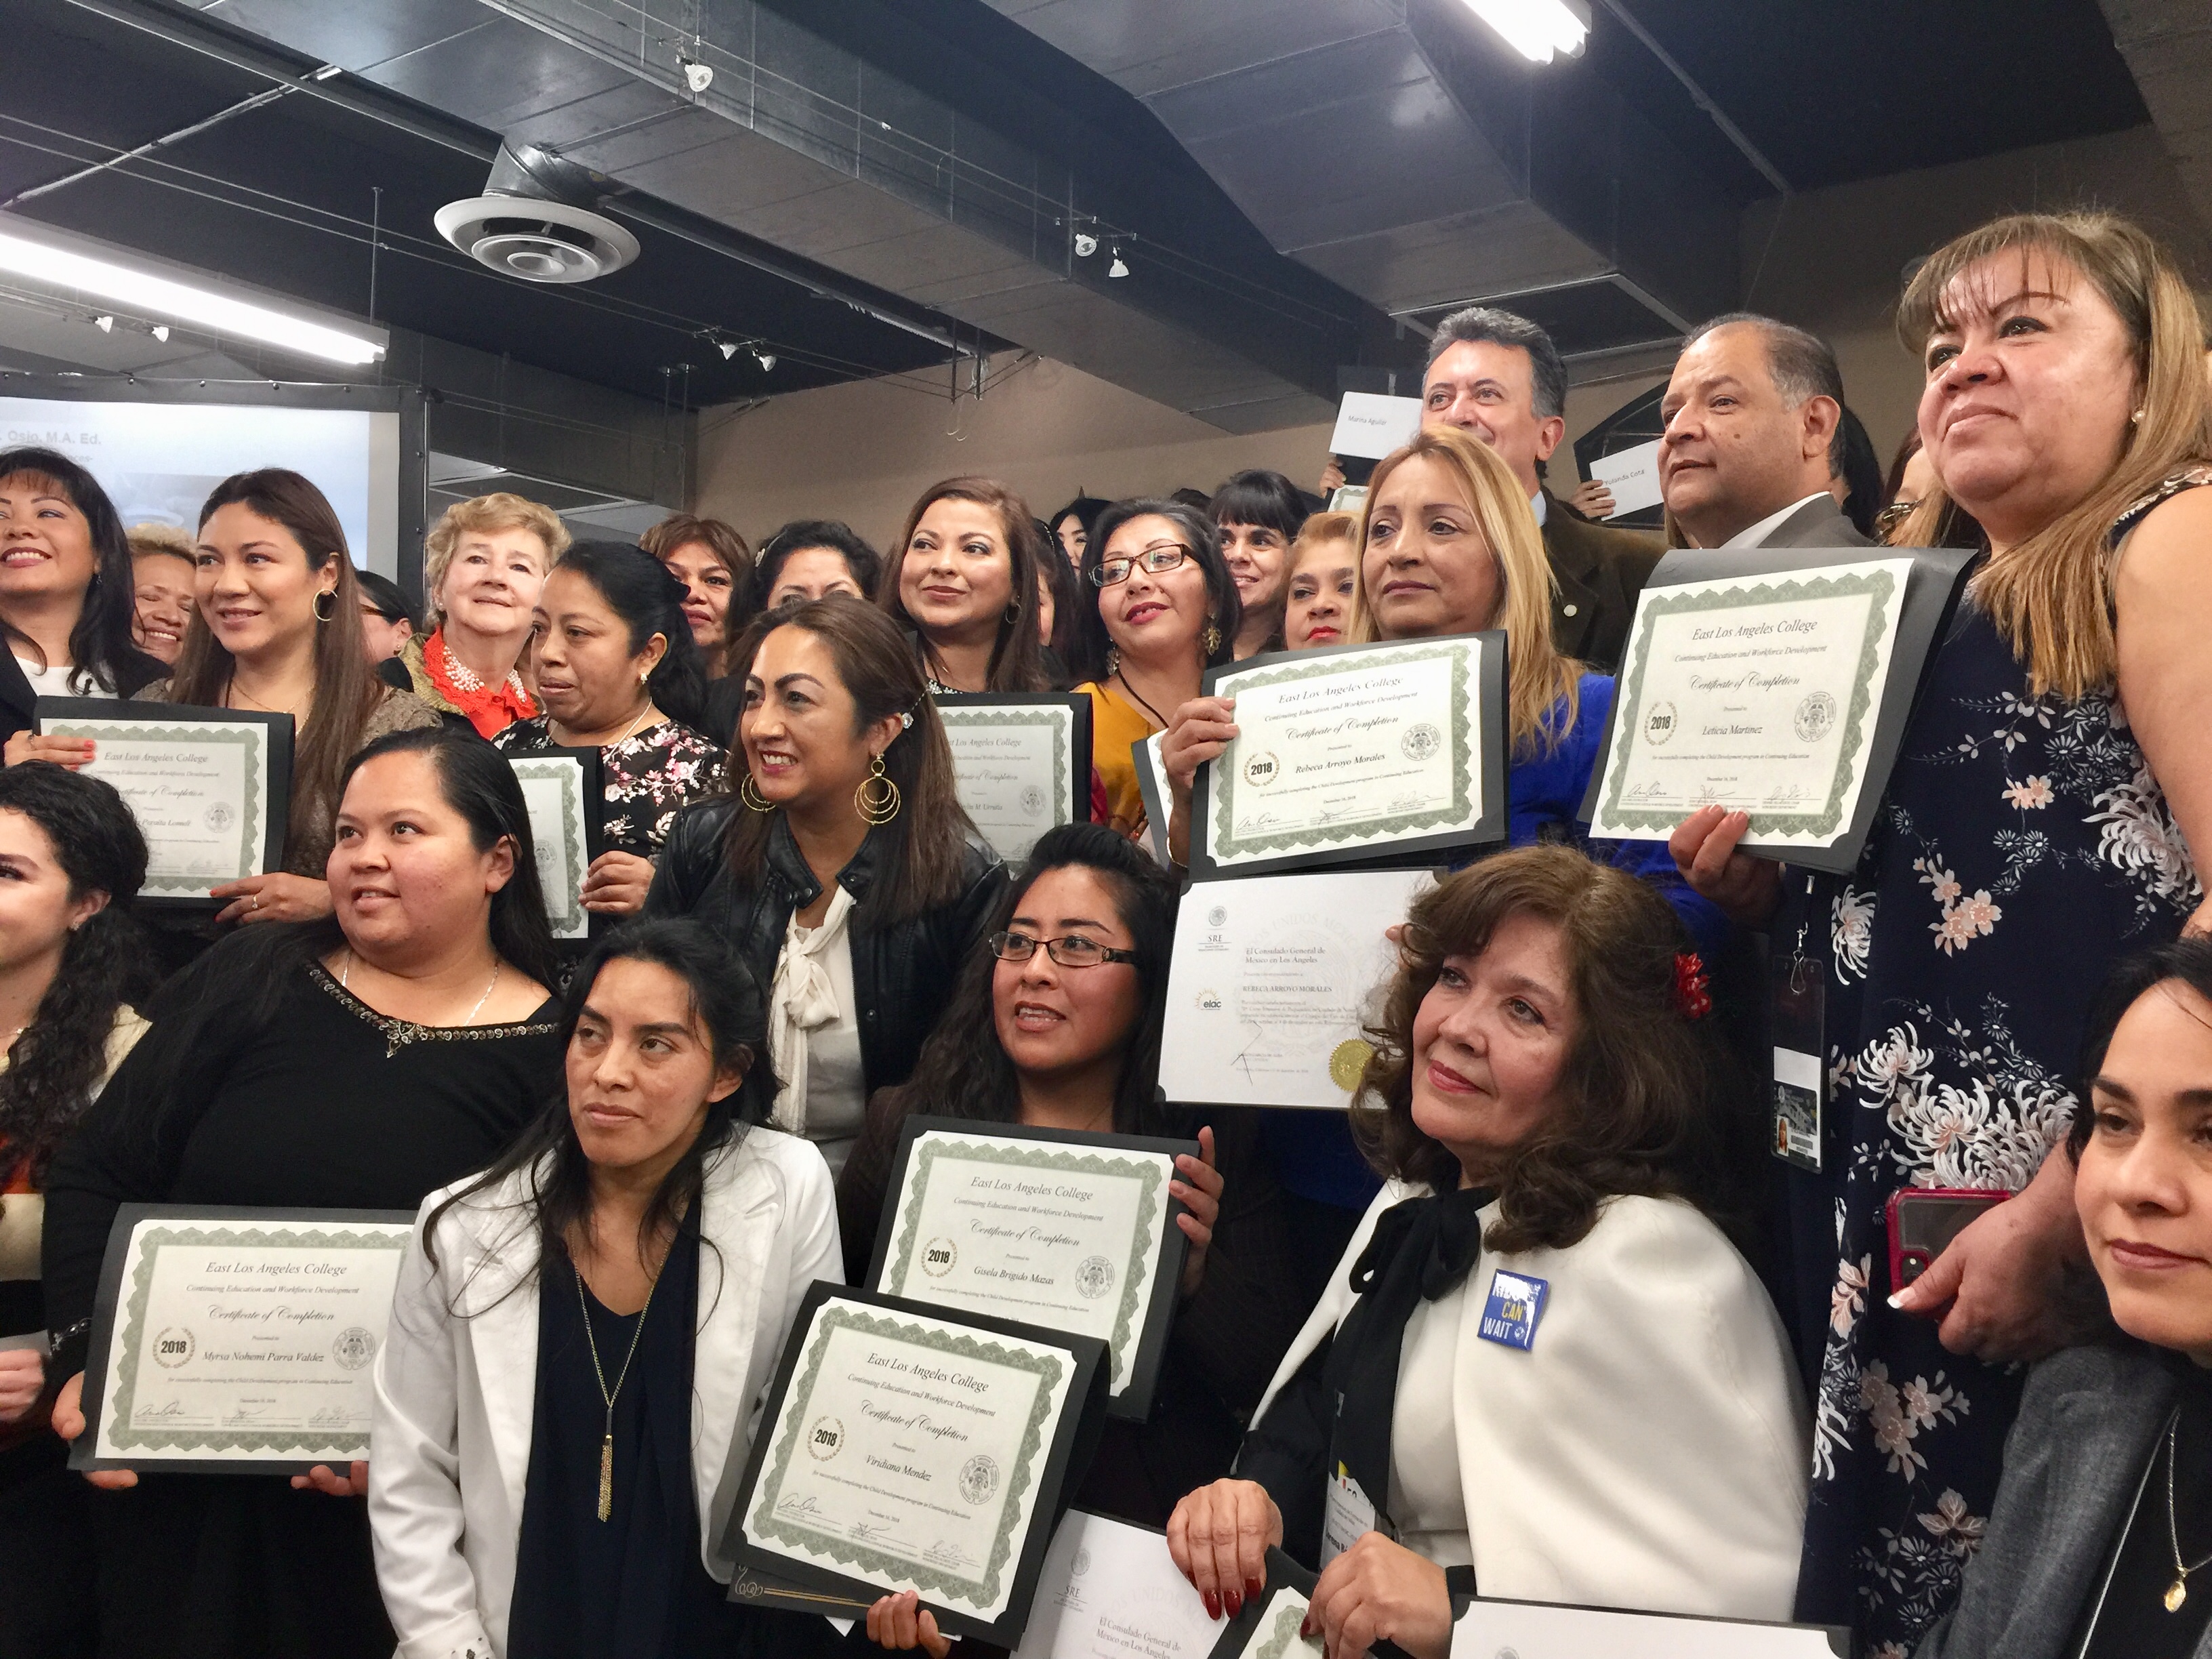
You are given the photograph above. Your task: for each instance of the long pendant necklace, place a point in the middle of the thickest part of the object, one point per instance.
(607, 1443)
(1122, 677)
(2177, 1592)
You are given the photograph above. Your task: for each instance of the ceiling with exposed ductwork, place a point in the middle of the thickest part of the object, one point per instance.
(920, 187)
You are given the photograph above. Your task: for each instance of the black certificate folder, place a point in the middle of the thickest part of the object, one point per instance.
(198, 779)
(905, 1449)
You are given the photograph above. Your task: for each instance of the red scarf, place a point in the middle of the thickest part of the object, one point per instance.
(490, 708)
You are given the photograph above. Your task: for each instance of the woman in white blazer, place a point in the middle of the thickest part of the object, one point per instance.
(1604, 1411)
(581, 1336)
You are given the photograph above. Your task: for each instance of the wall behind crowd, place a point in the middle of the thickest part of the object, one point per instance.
(1829, 260)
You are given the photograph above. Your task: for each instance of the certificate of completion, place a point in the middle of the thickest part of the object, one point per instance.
(208, 787)
(560, 790)
(226, 1339)
(1022, 765)
(1111, 1591)
(910, 1451)
(1758, 693)
(1073, 1232)
(1270, 982)
(1268, 1625)
(1355, 751)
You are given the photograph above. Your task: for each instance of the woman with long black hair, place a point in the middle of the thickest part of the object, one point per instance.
(357, 1061)
(639, 1216)
(618, 671)
(67, 598)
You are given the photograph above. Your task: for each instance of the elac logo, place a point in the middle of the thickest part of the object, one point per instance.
(1516, 1304)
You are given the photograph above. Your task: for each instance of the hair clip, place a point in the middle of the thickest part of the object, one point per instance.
(1692, 990)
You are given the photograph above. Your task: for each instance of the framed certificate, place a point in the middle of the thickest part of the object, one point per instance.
(1022, 764)
(1267, 1627)
(211, 788)
(237, 1341)
(1073, 1232)
(1542, 1630)
(1780, 690)
(1270, 984)
(1355, 754)
(1111, 1591)
(561, 787)
(902, 1448)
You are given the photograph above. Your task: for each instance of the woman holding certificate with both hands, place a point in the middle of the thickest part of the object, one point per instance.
(2053, 779)
(1604, 1413)
(582, 1335)
(358, 1061)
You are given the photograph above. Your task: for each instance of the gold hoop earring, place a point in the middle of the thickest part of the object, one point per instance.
(749, 792)
(877, 800)
(316, 605)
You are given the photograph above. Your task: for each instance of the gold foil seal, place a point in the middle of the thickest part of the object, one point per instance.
(1347, 1063)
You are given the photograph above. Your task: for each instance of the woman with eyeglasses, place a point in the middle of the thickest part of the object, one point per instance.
(1056, 1024)
(842, 870)
(1168, 610)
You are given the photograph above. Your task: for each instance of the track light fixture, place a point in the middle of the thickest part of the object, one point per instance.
(765, 359)
(1117, 269)
(160, 332)
(727, 348)
(104, 325)
(1085, 245)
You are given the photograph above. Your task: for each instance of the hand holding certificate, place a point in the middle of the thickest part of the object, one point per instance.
(1111, 1591)
(1779, 691)
(208, 787)
(1022, 764)
(561, 788)
(1074, 1232)
(235, 1340)
(904, 1450)
(1355, 753)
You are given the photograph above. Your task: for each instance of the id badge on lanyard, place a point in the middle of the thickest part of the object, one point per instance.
(1351, 1514)
(1797, 984)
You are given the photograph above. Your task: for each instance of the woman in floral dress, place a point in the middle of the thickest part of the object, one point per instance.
(2031, 832)
(618, 671)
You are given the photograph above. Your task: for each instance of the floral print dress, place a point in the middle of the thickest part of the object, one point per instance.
(649, 779)
(2022, 847)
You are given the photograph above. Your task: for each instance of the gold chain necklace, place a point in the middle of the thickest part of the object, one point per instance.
(550, 723)
(2177, 1592)
(607, 1443)
(346, 973)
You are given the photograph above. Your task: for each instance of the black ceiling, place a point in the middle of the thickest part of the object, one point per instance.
(75, 73)
(1831, 91)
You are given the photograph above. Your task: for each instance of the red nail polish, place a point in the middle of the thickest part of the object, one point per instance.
(1234, 1601)
(1252, 1588)
(1213, 1605)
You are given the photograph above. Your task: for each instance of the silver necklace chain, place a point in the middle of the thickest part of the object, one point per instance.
(345, 973)
(2177, 1592)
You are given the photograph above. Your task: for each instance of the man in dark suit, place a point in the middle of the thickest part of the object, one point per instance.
(1752, 435)
(1499, 377)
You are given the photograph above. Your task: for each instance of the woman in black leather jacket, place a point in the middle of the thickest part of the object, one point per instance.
(843, 870)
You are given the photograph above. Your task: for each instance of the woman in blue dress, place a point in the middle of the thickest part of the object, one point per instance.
(2035, 828)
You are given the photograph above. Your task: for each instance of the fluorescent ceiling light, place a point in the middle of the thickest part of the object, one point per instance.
(1537, 29)
(185, 302)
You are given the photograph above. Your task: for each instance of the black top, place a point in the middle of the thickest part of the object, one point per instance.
(647, 779)
(2126, 1615)
(332, 1105)
(632, 1586)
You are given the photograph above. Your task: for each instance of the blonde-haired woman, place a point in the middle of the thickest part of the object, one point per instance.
(2036, 828)
(484, 564)
(1447, 545)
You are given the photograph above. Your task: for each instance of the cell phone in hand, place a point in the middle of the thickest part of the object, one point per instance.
(1923, 1220)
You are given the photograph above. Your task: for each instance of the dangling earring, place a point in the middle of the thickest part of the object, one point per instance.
(1013, 613)
(877, 800)
(1113, 660)
(749, 792)
(1211, 639)
(321, 615)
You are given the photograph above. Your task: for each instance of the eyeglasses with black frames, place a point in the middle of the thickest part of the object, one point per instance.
(1071, 950)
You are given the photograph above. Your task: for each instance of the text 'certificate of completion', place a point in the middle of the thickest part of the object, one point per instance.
(208, 786)
(1022, 765)
(1269, 982)
(908, 1452)
(1757, 694)
(1073, 1232)
(1354, 752)
(231, 1337)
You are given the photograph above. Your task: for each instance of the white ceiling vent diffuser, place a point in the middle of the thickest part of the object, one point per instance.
(535, 221)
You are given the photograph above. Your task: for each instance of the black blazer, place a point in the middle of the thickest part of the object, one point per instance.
(903, 975)
(19, 702)
(1601, 570)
